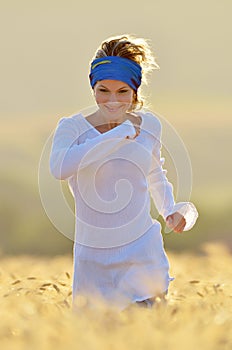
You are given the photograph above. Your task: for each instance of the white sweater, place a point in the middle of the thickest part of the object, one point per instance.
(118, 250)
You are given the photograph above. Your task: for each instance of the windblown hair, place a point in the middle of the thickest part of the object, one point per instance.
(135, 49)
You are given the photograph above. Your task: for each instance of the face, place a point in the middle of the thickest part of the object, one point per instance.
(113, 97)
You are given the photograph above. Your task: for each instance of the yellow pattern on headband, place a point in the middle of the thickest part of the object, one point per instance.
(96, 64)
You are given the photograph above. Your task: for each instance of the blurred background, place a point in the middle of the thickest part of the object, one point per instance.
(46, 47)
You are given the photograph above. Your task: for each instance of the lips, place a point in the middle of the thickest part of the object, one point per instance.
(112, 110)
(113, 107)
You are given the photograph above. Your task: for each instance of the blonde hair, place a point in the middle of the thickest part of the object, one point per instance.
(135, 49)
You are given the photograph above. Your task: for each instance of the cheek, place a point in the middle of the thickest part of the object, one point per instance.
(128, 98)
(100, 98)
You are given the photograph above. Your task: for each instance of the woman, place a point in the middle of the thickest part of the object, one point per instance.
(112, 161)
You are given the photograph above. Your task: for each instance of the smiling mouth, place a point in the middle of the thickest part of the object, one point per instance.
(113, 109)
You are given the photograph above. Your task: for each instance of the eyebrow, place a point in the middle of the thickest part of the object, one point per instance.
(121, 88)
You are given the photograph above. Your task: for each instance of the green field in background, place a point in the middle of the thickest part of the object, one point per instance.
(24, 225)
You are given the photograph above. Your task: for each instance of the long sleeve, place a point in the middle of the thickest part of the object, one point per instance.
(67, 156)
(162, 190)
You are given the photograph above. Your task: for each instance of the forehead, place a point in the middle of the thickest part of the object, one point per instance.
(112, 84)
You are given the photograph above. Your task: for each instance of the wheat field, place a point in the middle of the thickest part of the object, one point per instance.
(36, 307)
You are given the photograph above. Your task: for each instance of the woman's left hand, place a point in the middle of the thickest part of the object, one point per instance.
(176, 221)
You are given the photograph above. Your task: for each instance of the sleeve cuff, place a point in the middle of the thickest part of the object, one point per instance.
(189, 212)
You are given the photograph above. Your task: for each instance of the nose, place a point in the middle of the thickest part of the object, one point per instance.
(112, 98)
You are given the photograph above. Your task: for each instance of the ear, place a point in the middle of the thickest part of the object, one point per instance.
(135, 97)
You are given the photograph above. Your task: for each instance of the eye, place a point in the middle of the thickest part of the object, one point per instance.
(103, 90)
(123, 91)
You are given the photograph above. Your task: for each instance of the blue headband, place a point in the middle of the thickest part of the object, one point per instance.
(116, 68)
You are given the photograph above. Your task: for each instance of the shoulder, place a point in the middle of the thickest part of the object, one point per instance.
(73, 122)
(151, 123)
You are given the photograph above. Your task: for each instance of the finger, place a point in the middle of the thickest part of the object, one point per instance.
(181, 225)
(137, 133)
(131, 137)
(135, 136)
(170, 221)
(178, 230)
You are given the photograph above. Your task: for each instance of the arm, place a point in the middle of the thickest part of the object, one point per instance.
(180, 216)
(67, 157)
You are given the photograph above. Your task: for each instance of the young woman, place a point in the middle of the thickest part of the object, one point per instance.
(113, 164)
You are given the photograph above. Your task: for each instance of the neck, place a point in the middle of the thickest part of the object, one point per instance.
(110, 123)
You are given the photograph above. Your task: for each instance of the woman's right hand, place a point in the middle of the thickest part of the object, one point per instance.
(136, 124)
(133, 137)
